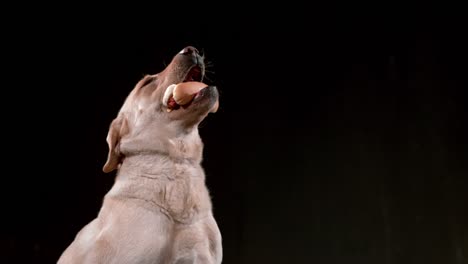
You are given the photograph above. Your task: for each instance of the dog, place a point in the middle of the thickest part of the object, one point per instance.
(159, 209)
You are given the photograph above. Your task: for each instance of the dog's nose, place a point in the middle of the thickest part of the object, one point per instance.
(189, 50)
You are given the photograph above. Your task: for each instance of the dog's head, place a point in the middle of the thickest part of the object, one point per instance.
(163, 111)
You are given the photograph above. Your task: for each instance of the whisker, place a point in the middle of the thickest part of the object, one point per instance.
(208, 78)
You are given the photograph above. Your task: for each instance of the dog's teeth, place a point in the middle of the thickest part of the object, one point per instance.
(169, 110)
(168, 94)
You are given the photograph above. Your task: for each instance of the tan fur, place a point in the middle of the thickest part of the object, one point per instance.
(159, 209)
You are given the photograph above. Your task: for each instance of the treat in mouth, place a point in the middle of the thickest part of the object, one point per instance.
(181, 94)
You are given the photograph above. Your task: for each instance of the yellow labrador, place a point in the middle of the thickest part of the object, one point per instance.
(159, 208)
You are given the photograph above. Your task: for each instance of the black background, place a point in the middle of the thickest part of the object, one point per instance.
(339, 139)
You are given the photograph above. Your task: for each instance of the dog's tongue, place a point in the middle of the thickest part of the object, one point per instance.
(186, 91)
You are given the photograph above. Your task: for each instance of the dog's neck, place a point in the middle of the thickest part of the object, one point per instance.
(183, 148)
(159, 166)
(157, 178)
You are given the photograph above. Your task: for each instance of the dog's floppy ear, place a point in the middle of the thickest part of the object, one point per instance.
(117, 130)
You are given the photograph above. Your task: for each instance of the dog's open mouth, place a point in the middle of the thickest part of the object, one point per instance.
(184, 93)
(195, 74)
